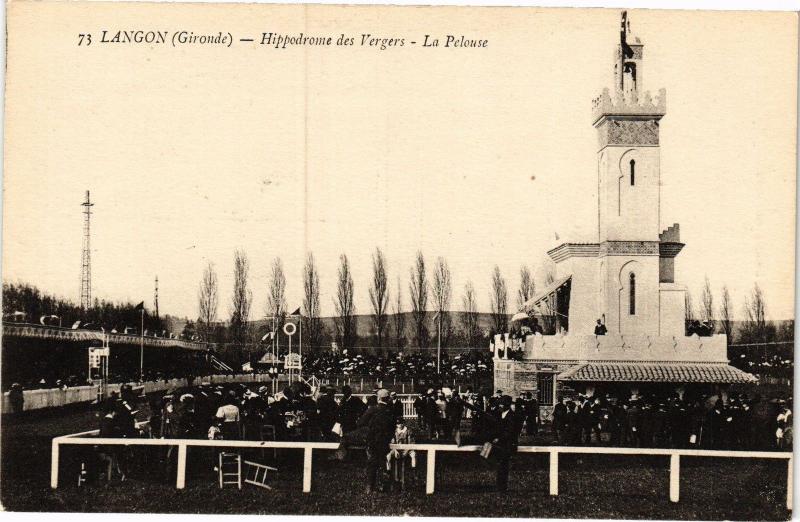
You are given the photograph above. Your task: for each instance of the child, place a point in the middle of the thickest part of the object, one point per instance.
(215, 431)
(396, 459)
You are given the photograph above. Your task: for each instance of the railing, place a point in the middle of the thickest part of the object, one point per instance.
(56, 397)
(430, 449)
(406, 398)
(363, 383)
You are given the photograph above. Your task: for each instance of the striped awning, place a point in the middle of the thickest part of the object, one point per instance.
(532, 305)
(718, 373)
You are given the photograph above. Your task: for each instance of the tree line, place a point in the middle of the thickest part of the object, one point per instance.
(754, 329)
(25, 303)
(415, 314)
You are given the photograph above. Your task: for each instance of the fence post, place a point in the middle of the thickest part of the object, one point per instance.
(54, 464)
(553, 472)
(789, 485)
(181, 482)
(430, 478)
(307, 470)
(674, 477)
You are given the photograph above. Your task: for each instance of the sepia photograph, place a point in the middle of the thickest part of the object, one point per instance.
(431, 261)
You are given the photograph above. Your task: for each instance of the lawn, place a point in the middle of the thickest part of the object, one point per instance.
(590, 486)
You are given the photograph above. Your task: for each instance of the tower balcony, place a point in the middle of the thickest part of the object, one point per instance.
(629, 104)
(574, 348)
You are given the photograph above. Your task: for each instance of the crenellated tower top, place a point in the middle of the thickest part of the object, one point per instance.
(628, 99)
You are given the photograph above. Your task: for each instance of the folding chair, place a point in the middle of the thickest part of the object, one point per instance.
(230, 465)
(256, 474)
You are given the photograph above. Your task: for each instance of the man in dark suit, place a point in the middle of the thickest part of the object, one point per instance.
(396, 405)
(454, 411)
(505, 430)
(559, 419)
(531, 408)
(379, 435)
(419, 409)
(328, 413)
(350, 409)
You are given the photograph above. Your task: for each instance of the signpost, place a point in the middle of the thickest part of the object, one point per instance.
(98, 366)
(293, 360)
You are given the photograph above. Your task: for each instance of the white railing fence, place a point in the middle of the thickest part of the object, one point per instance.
(406, 398)
(57, 397)
(89, 438)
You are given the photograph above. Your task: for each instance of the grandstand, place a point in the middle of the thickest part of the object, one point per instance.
(40, 356)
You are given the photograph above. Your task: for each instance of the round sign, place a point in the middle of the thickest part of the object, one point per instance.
(289, 328)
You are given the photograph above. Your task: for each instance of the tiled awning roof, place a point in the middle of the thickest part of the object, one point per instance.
(656, 372)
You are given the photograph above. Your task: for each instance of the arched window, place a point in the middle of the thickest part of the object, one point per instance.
(633, 173)
(632, 294)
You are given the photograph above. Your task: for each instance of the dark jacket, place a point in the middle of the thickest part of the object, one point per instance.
(381, 429)
(349, 412)
(419, 406)
(328, 412)
(559, 415)
(504, 431)
(171, 425)
(455, 409)
(397, 408)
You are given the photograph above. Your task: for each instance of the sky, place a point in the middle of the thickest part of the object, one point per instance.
(480, 156)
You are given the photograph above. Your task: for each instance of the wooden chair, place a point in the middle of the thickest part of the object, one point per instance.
(230, 469)
(256, 474)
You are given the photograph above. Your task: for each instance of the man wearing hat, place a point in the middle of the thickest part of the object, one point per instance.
(397, 406)
(327, 407)
(379, 436)
(17, 399)
(350, 409)
(505, 438)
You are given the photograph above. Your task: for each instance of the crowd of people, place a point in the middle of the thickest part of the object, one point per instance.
(400, 366)
(765, 365)
(493, 421)
(713, 422)
(235, 412)
(468, 366)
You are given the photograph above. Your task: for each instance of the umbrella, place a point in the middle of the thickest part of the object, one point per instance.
(519, 316)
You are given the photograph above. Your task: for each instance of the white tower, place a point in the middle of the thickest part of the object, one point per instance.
(629, 198)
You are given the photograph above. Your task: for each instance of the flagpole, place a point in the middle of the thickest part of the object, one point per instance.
(141, 350)
(439, 346)
(300, 350)
(274, 358)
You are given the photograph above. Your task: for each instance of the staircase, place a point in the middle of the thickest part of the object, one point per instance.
(219, 365)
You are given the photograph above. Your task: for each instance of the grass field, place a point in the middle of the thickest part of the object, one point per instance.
(592, 486)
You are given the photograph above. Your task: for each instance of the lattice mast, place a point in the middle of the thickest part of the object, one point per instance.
(86, 255)
(155, 298)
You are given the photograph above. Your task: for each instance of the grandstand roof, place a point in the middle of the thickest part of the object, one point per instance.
(51, 333)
